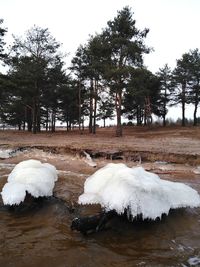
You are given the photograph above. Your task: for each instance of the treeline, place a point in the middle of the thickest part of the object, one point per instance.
(106, 78)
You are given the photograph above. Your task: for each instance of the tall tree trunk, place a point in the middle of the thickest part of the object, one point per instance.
(195, 115)
(38, 118)
(67, 122)
(91, 105)
(139, 115)
(164, 109)
(47, 120)
(183, 103)
(196, 107)
(118, 104)
(95, 107)
(35, 108)
(145, 117)
(53, 121)
(164, 120)
(183, 114)
(34, 111)
(79, 107)
(104, 122)
(147, 111)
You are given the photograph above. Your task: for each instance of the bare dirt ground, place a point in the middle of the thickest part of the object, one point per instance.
(174, 139)
(171, 144)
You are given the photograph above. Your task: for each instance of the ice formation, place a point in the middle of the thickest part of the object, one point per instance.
(30, 176)
(118, 187)
(5, 153)
(9, 153)
(89, 160)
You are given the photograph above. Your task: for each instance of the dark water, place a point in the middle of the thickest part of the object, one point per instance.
(42, 236)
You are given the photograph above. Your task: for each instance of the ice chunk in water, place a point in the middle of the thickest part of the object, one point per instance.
(121, 188)
(32, 176)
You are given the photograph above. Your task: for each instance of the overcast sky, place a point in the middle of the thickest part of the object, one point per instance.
(173, 24)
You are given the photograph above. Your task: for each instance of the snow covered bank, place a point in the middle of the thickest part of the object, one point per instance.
(118, 187)
(31, 176)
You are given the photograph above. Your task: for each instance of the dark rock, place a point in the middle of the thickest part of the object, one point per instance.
(93, 223)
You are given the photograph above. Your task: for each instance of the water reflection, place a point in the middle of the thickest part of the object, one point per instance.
(42, 235)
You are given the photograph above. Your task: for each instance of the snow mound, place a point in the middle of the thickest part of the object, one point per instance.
(118, 187)
(32, 176)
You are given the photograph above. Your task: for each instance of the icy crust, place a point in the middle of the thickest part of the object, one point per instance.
(121, 188)
(32, 176)
(5, 153)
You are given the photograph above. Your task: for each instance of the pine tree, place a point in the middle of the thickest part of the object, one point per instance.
(124, 45)
(141, 97)
(2, 43)
(164, 75)
(30, 61)
(181, 83)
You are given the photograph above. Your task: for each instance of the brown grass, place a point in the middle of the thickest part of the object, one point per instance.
(176, 140)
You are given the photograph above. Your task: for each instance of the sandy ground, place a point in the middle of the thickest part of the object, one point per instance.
(184, 140)
(171, 144)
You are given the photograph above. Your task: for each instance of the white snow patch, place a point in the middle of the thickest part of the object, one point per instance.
(194, 261)
(197, 170)
(5, 153)
(7, 166)
(9, 153)
(119, 187)
(89, 160)
(32, 176)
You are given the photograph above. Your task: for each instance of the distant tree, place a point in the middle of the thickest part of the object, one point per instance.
(7, 89)
(94, 74)
(141, 97)
(194, 83)
(87, 67)
(124, 46)
(181, 81)
(31, 59)
(3, 93)
(2, 43)
(106, 107)
(68, 103)
(164, 75)
(22, 75)
(13, 112)
(52, 91)
(79, 65)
